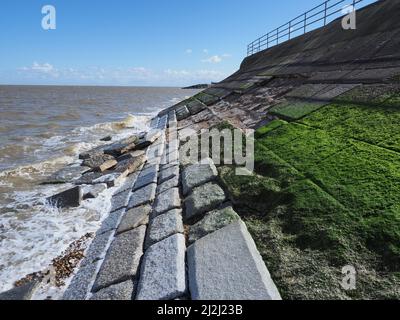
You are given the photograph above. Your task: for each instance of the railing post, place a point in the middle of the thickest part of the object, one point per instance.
(268, 40)
(326, 9)
(305, 22)
(277, 36)
(259, 44)
(290, 29)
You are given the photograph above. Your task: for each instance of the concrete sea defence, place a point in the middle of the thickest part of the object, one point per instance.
(324, 193)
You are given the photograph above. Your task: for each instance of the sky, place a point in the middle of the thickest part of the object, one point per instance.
(134, 42)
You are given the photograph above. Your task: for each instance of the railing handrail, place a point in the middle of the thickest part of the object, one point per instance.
(273, 37)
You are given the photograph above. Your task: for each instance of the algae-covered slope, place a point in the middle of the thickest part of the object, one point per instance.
(326, 187)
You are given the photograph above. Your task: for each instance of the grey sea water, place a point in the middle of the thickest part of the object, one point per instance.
(42, 129)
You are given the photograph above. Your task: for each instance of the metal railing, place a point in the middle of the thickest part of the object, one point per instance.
(300, 25)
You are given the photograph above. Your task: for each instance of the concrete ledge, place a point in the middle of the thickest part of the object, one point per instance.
(226, 265)
(163, 274)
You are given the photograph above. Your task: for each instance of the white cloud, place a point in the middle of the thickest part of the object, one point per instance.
(216, 58)
(213, 59)
(119, 76)
(205, 51)
(44, 69)
(189, 51)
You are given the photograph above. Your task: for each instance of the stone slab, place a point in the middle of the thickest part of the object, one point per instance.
(146, 177)
(97, 160)
(22, 293)
(131, 155)
(203, 199)
(112, 179)
(129, 182)
(182, 113)
(169, 184)
(134, 218)
(121, 147)
(198, 174)
(213, 221)
(167, 201)
(195, 107)
(71, 198)
(164, 226)
(88, 178)
(163, 274)
(154, 122)
(92, 192)
(111, 222)
(131, 165)
(66, 175)
(236, 272)
(120, 200)
(118, 292)
(107, 165)
(143, 196)
(79, 287)
(168, 173)
(97, 249)
(122, 260)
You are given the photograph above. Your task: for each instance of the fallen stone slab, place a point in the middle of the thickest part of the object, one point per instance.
(143, 196)
(111, 222)
(66, 175)
(97, 249)
(111, 180)
(163, 274)
(122, 259)
(134, 218)
(198, 174)
(168, 173)
(130, 165)
(121, 147)
(166, 201)
(92, 153)
(169, 184)
(21, 293)
(203, 199)
(226, 265)
(149, 139)
(97, 160)
(131, 155)
(106, 139)
(71, 198)
(213, 221)
(119, 292)
(92, 192)
(88, 178)
(146, 177)
(79, 287)
(164, 226)
(107, 165)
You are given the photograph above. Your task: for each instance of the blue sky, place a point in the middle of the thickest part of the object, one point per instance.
(132, 42)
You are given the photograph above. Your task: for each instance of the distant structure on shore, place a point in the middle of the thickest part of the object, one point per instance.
(198, 86)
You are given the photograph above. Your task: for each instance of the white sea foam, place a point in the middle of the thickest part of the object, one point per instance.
(33, 233)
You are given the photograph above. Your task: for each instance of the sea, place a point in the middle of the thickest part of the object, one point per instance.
(44, 129)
